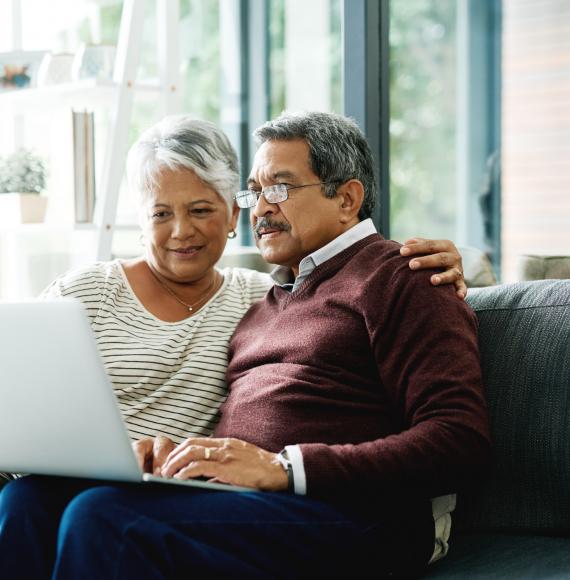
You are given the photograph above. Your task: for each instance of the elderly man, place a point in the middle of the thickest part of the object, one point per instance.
(355, 398)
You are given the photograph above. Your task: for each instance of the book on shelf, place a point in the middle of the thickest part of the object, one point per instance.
(84, 165)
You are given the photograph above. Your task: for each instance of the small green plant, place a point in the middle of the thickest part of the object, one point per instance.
(22, 172)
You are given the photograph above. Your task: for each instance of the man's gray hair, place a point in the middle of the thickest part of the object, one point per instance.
(182, 142)
(338, 150)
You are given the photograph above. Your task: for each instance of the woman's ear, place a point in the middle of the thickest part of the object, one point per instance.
(234, 217)
(351, 197)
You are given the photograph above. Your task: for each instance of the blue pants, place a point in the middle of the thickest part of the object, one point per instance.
(84, 529)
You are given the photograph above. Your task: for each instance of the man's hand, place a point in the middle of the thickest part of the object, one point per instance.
(437, 254)
(152, 453)
(227, 461)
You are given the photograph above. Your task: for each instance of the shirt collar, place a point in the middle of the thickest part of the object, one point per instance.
(283, 276)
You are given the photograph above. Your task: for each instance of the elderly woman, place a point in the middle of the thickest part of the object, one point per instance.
(163, 321)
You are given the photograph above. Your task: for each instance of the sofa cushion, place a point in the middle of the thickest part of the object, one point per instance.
(506, 556)
(532, 267)
(477, 268)
(524, 338)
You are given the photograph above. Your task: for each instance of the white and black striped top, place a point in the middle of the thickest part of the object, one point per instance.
(169, 377)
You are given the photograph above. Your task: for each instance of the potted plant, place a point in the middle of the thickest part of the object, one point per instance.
(22, 179)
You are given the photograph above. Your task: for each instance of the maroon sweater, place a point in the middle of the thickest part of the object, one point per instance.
(374, 372)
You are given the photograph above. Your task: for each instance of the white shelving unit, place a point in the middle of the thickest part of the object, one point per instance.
(116, 96)
(86, 93)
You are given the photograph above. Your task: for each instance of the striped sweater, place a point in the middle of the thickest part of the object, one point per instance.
(168, 377)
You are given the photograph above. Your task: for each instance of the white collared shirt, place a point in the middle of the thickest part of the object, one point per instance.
(282, 276)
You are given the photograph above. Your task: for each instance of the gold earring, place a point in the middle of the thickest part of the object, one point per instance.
(232, 235)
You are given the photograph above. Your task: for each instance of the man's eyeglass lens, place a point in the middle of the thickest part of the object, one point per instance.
(273, 194)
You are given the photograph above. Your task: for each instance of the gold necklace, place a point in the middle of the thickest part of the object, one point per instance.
(190, 307)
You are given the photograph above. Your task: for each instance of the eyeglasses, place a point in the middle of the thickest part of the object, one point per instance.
(273, 194)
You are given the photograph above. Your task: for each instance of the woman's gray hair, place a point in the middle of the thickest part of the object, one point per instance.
(182, 142)
(337, 147)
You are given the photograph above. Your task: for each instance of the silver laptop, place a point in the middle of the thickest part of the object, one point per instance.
(58, 412)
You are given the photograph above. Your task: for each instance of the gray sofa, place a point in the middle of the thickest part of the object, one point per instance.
(517, 523)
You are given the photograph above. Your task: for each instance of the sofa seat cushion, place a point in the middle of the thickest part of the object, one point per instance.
(496, 556)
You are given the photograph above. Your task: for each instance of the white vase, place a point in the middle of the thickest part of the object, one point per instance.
(22, 208)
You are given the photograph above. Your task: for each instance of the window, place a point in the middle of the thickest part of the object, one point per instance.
(304, 56)
(294, 63)
(444, 121)
(478, 134)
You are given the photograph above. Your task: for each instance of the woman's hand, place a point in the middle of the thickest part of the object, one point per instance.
(227, 461)
(437, 254)
(152, 453)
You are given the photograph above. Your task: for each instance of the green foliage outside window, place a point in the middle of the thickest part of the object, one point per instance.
(422, 118)
(200, 52)
(276, 57)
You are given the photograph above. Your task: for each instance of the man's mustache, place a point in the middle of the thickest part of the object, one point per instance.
(268, 223)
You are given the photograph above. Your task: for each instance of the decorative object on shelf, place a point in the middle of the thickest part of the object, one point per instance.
(55, 69)
(19, 69)
(84, 165)
(22, 179)
(94, 61)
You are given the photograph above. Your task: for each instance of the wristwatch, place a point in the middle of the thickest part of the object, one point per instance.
(283, 458)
